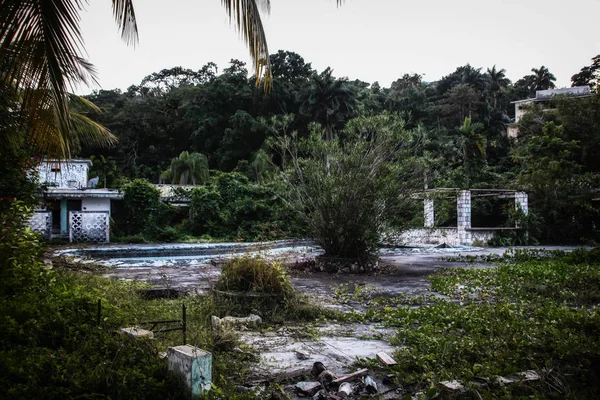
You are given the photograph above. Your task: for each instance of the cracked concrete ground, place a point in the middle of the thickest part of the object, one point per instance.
(194, 268)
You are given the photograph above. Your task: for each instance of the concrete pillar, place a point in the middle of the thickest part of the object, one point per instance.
(194, 365)
(463, 212)
(64, 216)
(521, 200)
(429, 213)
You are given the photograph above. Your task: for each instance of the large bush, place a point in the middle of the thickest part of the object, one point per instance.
(50, 346)
(145, 213)
(556, 163)
(230, 207)
(254, 274)
(348, 191)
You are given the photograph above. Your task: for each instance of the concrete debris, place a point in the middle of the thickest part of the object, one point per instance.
(326, 377)
(344, 390)
(351, 377)
(302, 355)
(317, 368)
(389, 379)
(235, 322)
(292, 373)
(451, 386)
(321, 395)
(386, 359)
(525, 376)
(136, 332)
(371, 385)
(308, 388)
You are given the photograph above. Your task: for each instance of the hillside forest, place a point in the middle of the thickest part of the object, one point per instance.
(458, 128)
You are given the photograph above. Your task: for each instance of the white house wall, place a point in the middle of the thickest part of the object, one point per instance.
(64, 174)
(95, 204)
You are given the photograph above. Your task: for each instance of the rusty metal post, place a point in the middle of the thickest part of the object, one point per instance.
(184, 322)
(99, 316)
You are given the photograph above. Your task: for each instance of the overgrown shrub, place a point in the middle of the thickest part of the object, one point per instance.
(229, 206)
(50, 345)
(146, 214)
(20, 249)
(18, 180)
(347, 191)
(254, 274)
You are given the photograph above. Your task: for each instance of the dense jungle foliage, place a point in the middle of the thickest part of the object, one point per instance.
(459, 122)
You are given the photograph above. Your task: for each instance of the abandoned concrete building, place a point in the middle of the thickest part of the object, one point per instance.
(542, 97)
(72, 207)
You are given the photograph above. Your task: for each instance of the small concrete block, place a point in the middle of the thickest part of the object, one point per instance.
(136, 332)
(344, 390)
(451, 386)
(385, 358)
(525, 376)
(194, 365)
(302, 355)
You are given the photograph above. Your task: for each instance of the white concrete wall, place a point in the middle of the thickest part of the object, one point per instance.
(437, 236)
(95, 204)
(41, 221)
(64, 174)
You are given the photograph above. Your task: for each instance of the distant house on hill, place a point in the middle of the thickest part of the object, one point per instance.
(542, 96)
(71, 206)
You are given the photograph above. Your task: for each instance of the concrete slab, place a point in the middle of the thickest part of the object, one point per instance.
(278, 351)
(136, 332)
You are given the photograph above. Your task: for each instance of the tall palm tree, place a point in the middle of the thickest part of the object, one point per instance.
(330, 100)
(42, 56)
(473, 144)
(187, 169)
(472, 76)
(498, 79)
(261, 162)
(497, 82)
(544, 79)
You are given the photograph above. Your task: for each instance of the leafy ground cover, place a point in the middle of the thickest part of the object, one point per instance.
(533, 312)
(51, 345)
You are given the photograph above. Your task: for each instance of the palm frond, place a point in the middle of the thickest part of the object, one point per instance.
(245, 14)
(125, 17)
(42, 55)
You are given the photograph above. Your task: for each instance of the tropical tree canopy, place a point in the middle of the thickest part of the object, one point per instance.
(187, 169)
(43, 59)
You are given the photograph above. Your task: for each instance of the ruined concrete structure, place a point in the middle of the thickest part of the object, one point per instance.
(71, 207)
(464, 233)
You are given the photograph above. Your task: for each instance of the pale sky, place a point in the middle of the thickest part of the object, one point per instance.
(371, 40)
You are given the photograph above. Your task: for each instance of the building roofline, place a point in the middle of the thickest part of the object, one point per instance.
(536, 100)
(66, 161)
(53, 193)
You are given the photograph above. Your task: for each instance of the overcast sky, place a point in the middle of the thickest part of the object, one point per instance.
(371, 40)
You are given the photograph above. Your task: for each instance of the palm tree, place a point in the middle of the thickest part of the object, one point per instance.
(498, 81)
(544, 79)
(42, 57)
(330, 100)
(187, 169)
(261, 162)
(472, 76)
(473, 145)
